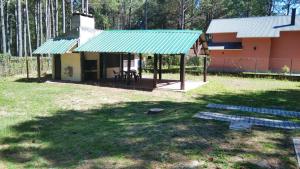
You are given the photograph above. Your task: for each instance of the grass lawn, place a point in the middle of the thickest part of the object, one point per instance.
(57, 125)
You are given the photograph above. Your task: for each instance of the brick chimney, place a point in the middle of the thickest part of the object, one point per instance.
(83, 27)
(293, 17)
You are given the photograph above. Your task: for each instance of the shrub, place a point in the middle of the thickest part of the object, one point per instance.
(285, 69)
(11, 65)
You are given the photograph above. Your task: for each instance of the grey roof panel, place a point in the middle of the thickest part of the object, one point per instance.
(254, 27)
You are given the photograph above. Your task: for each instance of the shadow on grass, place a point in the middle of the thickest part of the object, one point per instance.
(35, 79)
(112, 131)
(124, 131)
(278, 99)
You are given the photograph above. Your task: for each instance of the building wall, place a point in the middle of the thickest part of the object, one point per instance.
(70, 67)
(286, 51)
(225, 37)
(93, 56)
(253, 57)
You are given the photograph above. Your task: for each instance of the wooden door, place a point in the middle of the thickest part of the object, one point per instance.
(57, 68)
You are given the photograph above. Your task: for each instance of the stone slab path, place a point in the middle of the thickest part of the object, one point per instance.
(296, 142)
(276, 112)
(240, 126)
(253, 120)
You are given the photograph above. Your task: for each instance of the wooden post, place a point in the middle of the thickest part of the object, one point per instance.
(122, 66)
(182, 72)
(160, 67)
(155, 71)
(99, 68)
(140, 66)
(204, 68)
(82, 62)
(128, 68)
(38, 59)
(27, 67)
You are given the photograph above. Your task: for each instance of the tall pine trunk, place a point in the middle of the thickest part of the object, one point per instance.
(20, 39)
(52, 18)
(16, 31)
(82, 6)
(46, 20)
(64, 16)
(87, 7)
(8, 29)
(28, 29)
(56, 18)
(129, 15)
(41, 22)
(72, 11)
(182, 14)
(49, 18)
(36, 19)
(25, 33)
(146, 14)
(4, 49)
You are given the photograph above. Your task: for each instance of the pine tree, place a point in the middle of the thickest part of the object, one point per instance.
(19, 23)
(4, 49)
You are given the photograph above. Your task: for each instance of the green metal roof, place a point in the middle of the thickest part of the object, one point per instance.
(56, 46)
(142, 41)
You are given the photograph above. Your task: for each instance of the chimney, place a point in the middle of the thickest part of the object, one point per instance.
(80, 20)
(83, 27)
(293, 17)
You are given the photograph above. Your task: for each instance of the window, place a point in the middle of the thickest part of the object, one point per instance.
(112, 60)
(132, 64)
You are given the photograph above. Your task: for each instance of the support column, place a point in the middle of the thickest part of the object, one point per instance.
(182, 72)
(122, 66)
(128, 68)
(82, 60)
(38, 59)
(205, 69)
(27, 67)
(160, 67)
(155, 71)
(140, 65)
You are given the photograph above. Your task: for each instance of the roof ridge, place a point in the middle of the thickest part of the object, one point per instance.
(255, 17)
(154, 30)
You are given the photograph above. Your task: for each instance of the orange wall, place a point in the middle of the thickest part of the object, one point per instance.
(253, 57)
(286, 51)
(225, 37)
(270, 54)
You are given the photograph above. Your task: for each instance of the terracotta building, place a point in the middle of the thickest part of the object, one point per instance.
(255, 44)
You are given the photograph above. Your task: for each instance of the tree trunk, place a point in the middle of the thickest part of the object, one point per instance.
(25, 34)
(87, 7)
(8, 28)
(129, 15)
(72, 11)
(270, 7)
(41, 22)
(37, 32)
(20, 39)
(47, 20)
(64, 16)
(56, 18)
(10, 38)
(53, 20)
(28, 29)
(181, 14)
(123, 15)
(16, 30)
(4, 49)
(146, 14)
(82, 6)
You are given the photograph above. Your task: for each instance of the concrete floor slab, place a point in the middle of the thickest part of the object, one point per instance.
(175, 85)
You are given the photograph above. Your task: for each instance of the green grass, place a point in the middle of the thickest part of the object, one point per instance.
(57, 125)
